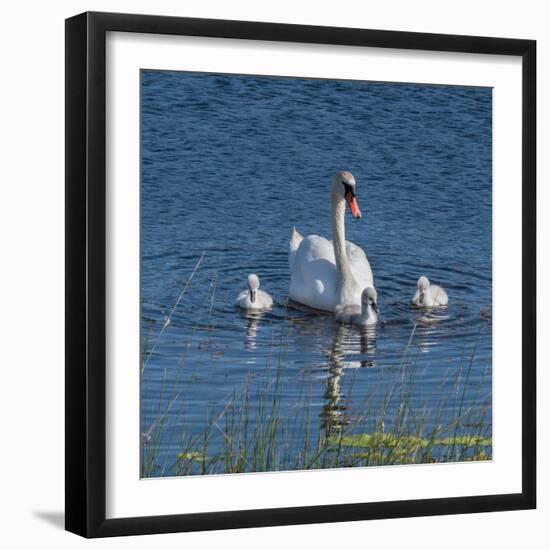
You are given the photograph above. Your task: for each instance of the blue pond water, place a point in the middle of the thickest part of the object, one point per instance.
(229, 165)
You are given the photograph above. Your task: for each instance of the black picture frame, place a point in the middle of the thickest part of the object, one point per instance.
(86, 274)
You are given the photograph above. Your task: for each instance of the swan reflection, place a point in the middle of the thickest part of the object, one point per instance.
(346, 343)
(252, 320)
(333, 415)
(368, 346)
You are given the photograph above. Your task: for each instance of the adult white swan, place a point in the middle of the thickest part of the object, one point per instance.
(323, 273)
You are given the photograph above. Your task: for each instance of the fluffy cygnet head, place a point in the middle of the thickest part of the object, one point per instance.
(343, 187)
(423, 284)
(253, 286)
(369, 298)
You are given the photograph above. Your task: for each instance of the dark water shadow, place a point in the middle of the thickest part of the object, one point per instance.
(55, 518)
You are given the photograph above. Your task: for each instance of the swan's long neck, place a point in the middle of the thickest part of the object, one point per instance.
(345, 277)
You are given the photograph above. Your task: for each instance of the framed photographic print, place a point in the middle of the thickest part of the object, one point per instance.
(300, 274)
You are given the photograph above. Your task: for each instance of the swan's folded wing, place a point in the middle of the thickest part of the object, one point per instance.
(312, 249)
(313, 278)
(318, 248)
(359, 264)
(355, 253)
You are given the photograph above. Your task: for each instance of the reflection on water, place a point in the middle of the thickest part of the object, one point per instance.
(252, 320)
(342, 356)
(333, 416)
(229, 165)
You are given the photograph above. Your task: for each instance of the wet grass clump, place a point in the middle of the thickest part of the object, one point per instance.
(249, 432)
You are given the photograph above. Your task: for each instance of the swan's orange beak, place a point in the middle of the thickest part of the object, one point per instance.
(353, 205)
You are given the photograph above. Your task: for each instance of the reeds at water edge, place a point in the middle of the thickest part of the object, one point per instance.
(249, 431)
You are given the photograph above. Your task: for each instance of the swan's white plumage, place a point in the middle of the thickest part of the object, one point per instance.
(428, 295)
(254, 299)
(315, 280)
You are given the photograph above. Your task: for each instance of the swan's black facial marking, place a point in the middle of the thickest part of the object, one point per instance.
(348, 188)
(372, 303)
(252, 295)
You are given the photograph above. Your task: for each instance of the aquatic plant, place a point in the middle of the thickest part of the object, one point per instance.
(253, 435)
